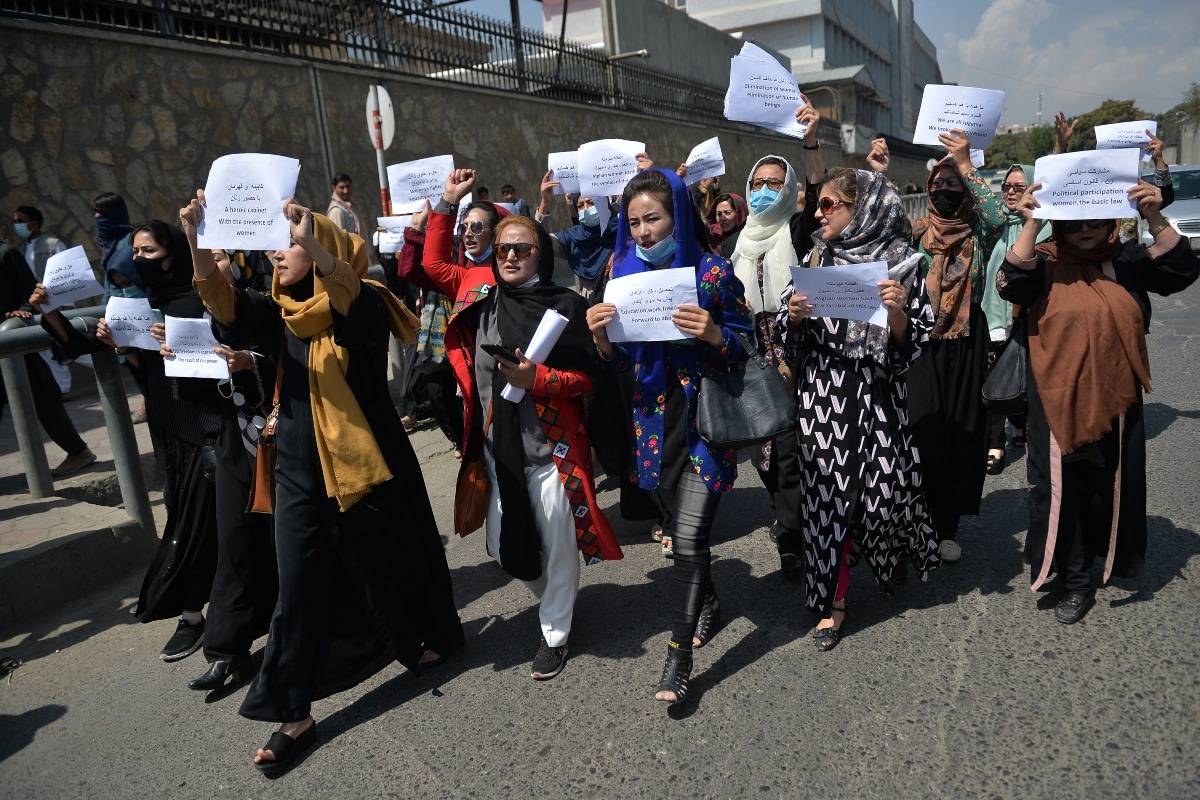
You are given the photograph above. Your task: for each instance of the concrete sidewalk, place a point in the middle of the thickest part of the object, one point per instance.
(53, 548)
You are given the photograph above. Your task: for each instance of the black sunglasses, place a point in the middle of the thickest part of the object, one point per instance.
(1076, 225)
(1019, 188)
(522, 249)
(476, 227)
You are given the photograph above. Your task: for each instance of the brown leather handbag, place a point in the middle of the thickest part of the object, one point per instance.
(262, 490)
(473, 490)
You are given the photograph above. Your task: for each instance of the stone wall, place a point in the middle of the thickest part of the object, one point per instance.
(93, 111)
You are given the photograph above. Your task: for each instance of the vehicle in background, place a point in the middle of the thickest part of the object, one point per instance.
(1184, 212)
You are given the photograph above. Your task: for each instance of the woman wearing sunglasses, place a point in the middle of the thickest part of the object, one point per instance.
(944, 385)
(658, 229)
(1088, 299)
(775, 238)
(999, 312)
(862, 488)
(542, 511)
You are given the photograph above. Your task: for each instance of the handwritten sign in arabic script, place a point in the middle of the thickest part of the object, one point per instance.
(976, 112)
(1090, 184)
(844, 292)
(244, 199)
(645, 303)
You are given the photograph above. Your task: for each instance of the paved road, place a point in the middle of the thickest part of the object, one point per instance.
(964, 686)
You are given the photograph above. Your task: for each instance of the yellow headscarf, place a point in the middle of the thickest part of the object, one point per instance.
(351, 460)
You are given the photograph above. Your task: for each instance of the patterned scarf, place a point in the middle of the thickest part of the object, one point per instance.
(950, 244)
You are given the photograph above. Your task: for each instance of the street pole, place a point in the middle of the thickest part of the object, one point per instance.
(375, 123)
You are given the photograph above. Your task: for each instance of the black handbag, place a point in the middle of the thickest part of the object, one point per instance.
(1004, 388)
(744, 406)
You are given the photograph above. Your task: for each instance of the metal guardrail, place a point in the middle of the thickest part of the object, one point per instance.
(915, 205)
(401, 36)
(19, 338)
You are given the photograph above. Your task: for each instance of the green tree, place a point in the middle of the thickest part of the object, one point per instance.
(1110, 111)
(1188, 110)
(1004, 150)
(1038, 142)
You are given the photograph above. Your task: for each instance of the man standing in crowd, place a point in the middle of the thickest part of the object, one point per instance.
(38, 247)
(16, 285)
(342, 210)
(508, 194)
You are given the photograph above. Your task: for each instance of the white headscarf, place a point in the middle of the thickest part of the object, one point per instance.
(770, 233)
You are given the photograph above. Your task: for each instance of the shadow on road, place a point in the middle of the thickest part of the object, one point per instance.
(17, 730)
(1160, 416)
(1168, 551)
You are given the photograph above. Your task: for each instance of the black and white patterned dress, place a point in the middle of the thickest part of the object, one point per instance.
(861, 473)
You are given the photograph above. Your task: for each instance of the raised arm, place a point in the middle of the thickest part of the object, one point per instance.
(439, 237)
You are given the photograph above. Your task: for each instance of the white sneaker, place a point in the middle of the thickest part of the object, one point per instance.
(950, 550)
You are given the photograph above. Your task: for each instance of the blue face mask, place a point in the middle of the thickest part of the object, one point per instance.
(21, 229)
(590, 216)
(132, 291)
(761, 199)
(482, 257)
(660, 253)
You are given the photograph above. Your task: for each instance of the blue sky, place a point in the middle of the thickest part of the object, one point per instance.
(1077, 52)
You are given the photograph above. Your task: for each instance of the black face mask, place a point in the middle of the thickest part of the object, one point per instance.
(149, 270)
(945, 202)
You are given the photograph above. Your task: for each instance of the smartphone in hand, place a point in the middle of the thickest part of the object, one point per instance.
(499, 351)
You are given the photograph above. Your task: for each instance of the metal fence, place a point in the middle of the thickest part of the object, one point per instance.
(402, 36)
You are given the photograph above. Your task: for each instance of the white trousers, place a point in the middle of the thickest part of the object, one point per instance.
(558, 586)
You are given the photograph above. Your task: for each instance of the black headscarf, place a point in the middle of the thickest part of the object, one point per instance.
(173, 293)
(519, 311)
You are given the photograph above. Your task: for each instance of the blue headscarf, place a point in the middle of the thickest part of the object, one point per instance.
(654, 356)
(122, 262)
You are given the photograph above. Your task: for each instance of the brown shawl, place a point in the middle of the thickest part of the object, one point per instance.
(950, 244)
(1087, 343)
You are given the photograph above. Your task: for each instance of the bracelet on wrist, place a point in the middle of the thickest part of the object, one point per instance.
(1157, 229)
(816, 146)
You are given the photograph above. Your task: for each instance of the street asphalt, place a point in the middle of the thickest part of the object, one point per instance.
(963, 686)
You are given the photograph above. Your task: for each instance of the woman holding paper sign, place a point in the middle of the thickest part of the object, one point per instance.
(542, 510)
(775, 238)
(945, 385)
(861, 493)
(1088, 296)
(363, 577)
(658, 230)
(999, 312)
(184, 416)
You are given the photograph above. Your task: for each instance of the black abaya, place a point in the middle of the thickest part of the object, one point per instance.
(949, 423)
(353, 585)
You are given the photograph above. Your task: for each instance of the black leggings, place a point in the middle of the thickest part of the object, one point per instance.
(695, 507)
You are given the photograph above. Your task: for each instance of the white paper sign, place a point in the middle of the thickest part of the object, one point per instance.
(645, 303)
(414, 182)
(543, 341)
(243, 202)
(391, 238)
(1087, 185)
(564, 168)
(606, 165)
(68, 278)
(192, 342)
(763, 92)
(974, 111)
(705, 161)
(977, 158)
(1126, 134)
(129, 319)
(844, 292)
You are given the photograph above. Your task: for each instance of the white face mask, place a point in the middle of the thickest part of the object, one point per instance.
(590, 216)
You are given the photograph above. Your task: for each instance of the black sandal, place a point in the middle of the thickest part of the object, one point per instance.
(1020, 439)
(827, 638)
(710, 618)
(995, 464)
(676, 672)
(286, 749)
